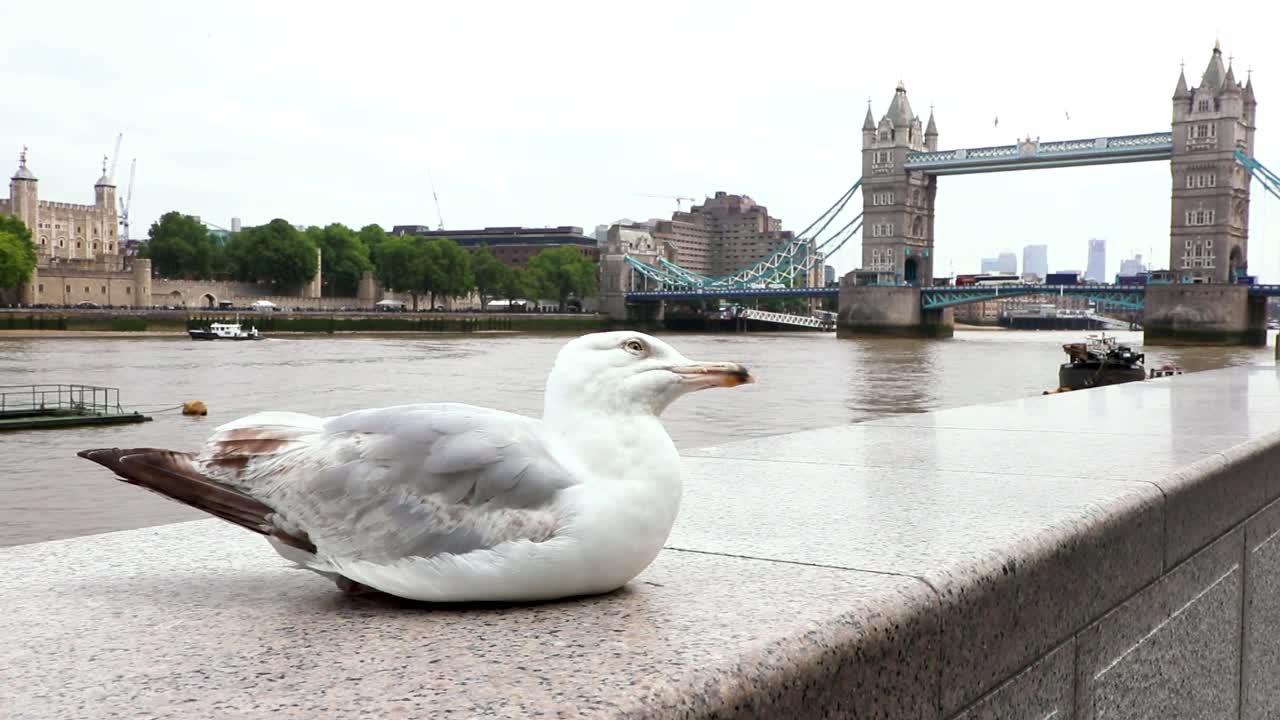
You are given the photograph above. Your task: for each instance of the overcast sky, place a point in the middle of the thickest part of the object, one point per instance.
(559, 113)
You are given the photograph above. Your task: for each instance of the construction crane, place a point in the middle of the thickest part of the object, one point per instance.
(680, 199)
(434, 196)
(125, 202)
(115, 157)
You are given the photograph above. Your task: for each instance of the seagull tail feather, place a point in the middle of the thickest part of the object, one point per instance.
(174, 475)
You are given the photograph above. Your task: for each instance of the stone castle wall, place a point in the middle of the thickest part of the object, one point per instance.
(210, 293)
(109, 281)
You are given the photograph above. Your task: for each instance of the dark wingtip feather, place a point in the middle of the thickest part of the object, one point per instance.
(111, 458)
(173, 475)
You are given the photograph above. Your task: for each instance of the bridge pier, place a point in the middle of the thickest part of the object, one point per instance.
(1204, 314)
(880, 310)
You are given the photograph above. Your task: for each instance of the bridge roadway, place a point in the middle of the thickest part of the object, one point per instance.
(1031, 154)
(729, 293)
(1131, 297)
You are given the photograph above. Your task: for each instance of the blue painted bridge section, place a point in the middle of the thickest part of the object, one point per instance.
(746, 293)
(1129, 297)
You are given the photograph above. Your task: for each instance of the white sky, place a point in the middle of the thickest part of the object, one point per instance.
(560, 113)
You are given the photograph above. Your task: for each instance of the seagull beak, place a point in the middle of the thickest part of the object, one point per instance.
(700, 375)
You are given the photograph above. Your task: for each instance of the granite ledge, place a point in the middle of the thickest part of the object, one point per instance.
(203, 620)
(776, 611)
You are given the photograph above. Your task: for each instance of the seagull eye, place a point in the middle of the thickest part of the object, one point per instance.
(635, 347)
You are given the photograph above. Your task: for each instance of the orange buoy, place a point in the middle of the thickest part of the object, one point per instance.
(194, 407)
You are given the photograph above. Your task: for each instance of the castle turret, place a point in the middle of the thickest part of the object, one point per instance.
(868, 128)
(141, 283)
(104, 191)
(1214, 72)
(1181, 92)
(1229, 84)
(24, 196)
(1250, 103)
(312, 288)
(931, 134)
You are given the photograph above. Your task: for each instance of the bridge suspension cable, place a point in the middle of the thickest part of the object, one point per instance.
(1269, 180)
(797, 256)
(828, 252)
(856, 219)
(838, 207)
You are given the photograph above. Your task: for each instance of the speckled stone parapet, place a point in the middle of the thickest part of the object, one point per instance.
(1261, 682)
(201, 620)
(1107, 553)
(1171, 651)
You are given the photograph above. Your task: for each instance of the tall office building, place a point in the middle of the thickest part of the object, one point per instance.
(723, 235)
(1133, 265)
(1005, 262)
(1096, 271)
(1035, 260)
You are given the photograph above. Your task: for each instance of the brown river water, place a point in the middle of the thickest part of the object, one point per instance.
(805, 380)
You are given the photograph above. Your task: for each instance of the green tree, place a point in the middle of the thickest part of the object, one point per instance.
(448, 269)
(399, 265)
(372, 236)
(518, 284)
(276, 252)
(489, 274)
(563, 272)
(17, 252)
(343, 258)
(420, 266)
(181, 246)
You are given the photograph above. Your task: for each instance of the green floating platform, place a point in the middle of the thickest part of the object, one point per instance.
(65, 418)
(33, 407)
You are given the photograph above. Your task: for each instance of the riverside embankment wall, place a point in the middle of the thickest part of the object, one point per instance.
(1110, 553)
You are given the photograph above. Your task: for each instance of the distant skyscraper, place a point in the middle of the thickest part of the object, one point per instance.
(1005, 262)
(1133, 265)
(828, 274)
(1096, 271)
(1035, 260)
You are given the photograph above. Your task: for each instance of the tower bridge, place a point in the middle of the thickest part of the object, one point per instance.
(1210, 150)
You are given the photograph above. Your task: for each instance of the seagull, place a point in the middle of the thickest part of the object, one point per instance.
(446, 502)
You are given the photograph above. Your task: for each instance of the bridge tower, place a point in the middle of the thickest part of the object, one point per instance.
(1209, 230)
(897, 205)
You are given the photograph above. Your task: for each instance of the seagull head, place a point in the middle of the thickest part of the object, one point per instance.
(631, 373)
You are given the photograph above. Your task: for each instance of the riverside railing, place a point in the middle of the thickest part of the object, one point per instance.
(84, 399)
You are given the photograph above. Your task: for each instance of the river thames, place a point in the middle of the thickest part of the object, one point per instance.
(805, 380)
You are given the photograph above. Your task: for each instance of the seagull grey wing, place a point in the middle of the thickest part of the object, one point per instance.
(407, 481)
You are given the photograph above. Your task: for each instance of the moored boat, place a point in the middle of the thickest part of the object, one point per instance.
(225, 331)
(1098, 361)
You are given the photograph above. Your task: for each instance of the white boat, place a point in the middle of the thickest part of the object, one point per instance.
(225, 331)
